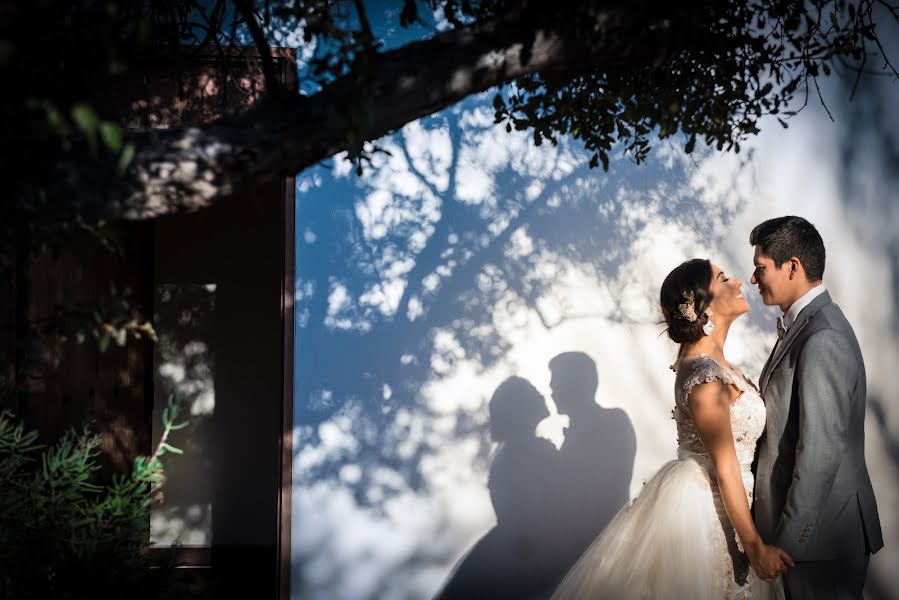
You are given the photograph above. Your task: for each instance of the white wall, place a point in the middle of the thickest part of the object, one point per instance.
(468, 255)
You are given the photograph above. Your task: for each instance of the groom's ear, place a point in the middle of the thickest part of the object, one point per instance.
(795, 266)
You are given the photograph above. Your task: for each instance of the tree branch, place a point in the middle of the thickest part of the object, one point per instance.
(245, 7)
(364, 23)
(187, 168)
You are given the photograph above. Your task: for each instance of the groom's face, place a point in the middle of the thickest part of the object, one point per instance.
(773, 283)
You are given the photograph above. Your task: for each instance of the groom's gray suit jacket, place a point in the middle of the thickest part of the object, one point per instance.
(813, 495)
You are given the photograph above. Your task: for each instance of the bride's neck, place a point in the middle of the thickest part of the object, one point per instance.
(712, 344)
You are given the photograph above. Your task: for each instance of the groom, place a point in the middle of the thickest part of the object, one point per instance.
(813, 496)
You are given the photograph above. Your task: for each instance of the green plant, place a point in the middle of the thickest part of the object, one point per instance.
(62, 535)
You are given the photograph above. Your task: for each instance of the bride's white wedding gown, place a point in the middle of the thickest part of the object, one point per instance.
(675, 541)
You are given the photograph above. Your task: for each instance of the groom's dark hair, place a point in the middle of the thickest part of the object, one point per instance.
(784, 237)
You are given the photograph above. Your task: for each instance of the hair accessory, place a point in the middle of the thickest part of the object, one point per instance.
(687, 310)
(708, 327)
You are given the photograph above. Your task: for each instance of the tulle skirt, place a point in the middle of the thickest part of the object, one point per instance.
(671, 542)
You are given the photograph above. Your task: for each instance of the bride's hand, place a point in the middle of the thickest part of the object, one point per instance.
(769, 561)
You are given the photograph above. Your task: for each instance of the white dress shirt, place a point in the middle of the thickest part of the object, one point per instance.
(803, 301)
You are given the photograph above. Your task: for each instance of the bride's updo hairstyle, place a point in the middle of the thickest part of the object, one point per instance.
(690, 280)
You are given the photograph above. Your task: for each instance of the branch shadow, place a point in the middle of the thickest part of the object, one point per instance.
(407, 277)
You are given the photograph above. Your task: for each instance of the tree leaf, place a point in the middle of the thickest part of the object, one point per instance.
(125, 159)
(111, 134)
(85, 118)
(171, 449)
(690, 144)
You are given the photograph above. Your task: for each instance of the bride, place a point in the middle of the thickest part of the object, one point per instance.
(689, 534)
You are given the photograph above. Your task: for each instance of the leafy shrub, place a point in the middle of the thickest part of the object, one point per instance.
(64, 536)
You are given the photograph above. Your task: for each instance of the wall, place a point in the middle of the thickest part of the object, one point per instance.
(467, 255)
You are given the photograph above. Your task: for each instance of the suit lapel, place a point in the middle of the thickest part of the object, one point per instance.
(792, 333)
(763, 378)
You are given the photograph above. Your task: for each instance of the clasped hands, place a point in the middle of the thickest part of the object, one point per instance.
(769, 561)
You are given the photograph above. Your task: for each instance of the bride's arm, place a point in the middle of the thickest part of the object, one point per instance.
(710, 408)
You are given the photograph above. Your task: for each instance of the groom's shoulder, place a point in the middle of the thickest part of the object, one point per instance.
(830, 316)
(830, 327)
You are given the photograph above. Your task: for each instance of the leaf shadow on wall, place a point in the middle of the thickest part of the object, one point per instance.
(424, 270)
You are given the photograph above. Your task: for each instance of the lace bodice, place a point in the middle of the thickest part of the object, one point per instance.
(747, 412)
(747, 422)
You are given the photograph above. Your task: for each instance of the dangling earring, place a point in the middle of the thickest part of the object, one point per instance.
(708, 327)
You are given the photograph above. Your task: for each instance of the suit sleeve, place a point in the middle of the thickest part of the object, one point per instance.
(825, 385)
